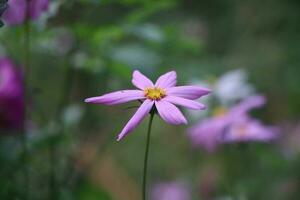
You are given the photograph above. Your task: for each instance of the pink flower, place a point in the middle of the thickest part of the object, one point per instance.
(235, 125)
(11, 96)
(170, 191)
(16, 11)
(249, 130)
(162, 95)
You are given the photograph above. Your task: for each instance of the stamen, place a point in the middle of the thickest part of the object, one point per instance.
(220, 112)
(155, 93)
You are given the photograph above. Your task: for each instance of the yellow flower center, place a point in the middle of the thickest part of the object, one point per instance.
(220, 112)
(154, 93)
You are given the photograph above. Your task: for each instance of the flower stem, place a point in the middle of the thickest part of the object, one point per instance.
(26, 100)
(27, 92)
(146, 156)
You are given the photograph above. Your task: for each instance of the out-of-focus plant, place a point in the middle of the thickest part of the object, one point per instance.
(11, 97)
(234, 125)
(19, 10)
(170, 190)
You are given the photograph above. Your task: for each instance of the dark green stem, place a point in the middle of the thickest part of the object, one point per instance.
(146, 156)
(25, 163)
(52, 179)
(26, 97)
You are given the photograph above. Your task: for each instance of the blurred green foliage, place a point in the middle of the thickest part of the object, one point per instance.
(85, 48)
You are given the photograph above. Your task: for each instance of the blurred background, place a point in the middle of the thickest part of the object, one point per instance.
(56, 53)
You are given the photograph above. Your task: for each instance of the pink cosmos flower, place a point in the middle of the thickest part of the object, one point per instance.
(16, 11)
(163, 95)
(170, 191)
(11, 96)
(249, 130)
(235, 125)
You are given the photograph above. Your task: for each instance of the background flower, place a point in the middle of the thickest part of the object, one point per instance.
(170, 190)
(232, 125)
(11, 96)
(16, 12)
(233, 86)
(249, 130)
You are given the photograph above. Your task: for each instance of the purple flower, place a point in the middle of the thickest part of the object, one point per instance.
(170, 191)
(11, 96)
(207, 133)
(235, 125)
(16, 11)
(249, 130)
(163, 95)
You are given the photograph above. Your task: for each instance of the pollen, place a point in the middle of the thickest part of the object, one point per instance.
(154, 93)
(220, 112)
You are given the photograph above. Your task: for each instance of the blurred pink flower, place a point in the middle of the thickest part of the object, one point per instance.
(11, 96)
(16, 11)
(235, 125)
(170, 191)
(163, 94)
(249, 130)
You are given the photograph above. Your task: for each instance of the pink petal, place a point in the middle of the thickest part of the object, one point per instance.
(118, 97)
(185, 102)
(248, 104)
(167, 80)
(188, 92)
(250, 130)
(170, 113)
(15, 13)
(37, 7)
(141, 81)
(208, 133)
(140, 114)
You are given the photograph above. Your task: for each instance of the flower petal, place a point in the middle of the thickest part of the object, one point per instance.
(250, 130)
(188, 92)
(141, 81)
(207, 134)
(37, 7)
(185, 102)
(167, 80)
(140, 114)
(15, 12)
(118, 97)
(170, 113)
(248, 104)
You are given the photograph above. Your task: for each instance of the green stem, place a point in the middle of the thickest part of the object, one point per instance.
(26, 97)
(25, 163)
(146, 156)
(52, 179)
